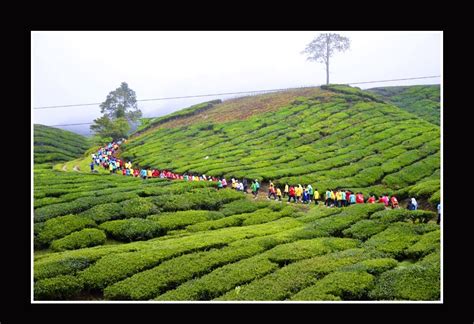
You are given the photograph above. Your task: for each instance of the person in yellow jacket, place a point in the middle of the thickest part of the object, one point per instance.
(298, 192)
(316, 196)
(285, 192)
(279, 194)
(333, 197)
(149, 174)
(338, 198)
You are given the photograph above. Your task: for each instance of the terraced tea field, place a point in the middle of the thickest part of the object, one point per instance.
(337, 137)
(106, 237)
(54, 145)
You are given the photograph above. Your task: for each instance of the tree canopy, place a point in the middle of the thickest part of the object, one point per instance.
(324, 46)
(119, 111)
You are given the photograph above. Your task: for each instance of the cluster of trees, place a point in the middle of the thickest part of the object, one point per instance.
(119, 111)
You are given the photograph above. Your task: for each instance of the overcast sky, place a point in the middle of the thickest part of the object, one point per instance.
(75, 67)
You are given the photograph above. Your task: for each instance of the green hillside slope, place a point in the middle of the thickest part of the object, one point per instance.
(107, 237)
(54, 144)
(335, 137)
(421, 100)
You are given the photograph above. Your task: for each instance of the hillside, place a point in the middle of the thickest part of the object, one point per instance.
(54, 144)
(421, 100)
(333, 137)
(101, 236)
(108, 237)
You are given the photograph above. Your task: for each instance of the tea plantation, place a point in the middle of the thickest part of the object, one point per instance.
(422, 100)
(106, 237)
(53, 144)
(336, 137)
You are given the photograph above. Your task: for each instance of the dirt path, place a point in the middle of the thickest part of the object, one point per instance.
(64, 168)
(76, 168)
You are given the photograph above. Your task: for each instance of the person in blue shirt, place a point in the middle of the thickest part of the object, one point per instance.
(439, 213)
(352, 198)
(92, 166)
(143, 173)
(305, 196)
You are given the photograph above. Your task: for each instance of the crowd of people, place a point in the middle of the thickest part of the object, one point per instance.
(105, 157)
(331, 198)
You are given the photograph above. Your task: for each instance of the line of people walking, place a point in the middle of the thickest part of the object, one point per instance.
(105, 157)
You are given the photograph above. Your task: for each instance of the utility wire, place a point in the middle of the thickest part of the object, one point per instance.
(232, 93)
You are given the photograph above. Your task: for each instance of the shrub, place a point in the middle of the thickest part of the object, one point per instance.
(428, 243)
(64, 266)
(221, 280)
(364, 229)
(335, 224)
(348, 285)
(58, 227)
(57, 288)
(180, 219)
(81, 239)
(150, 283)
(138, 207)
(103, 213)
(242, 206)
(133, 229)
(290, 252)
(372, 266)
(288, 280)
(394, 240)
(420, 281)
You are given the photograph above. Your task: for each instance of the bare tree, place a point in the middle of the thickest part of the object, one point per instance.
(324, 46)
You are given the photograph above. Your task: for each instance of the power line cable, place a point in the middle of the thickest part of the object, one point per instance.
(233, 93)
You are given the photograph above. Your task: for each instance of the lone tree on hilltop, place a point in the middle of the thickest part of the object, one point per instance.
(324, 46)
(119, 110)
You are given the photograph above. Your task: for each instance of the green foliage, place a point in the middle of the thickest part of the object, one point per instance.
(138, 207)
(372, 266)
(242, 206)
(290, 252)
(115, 128)
(54, 144)
(421, 100)
(289, 280)
(428, 243)
(57, 288)
(133, 229)
(394, 240)
(419, 281)
(348, 285)
(335, 224)
(58, 227)
(119, 109)
(64, 266)
(364, 229)
(78, 240)
(103, 213)
(181, 219)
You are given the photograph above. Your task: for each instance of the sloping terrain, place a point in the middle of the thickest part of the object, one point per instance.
(421, 100)
(107, 237)
(339, 137)
(54, 144)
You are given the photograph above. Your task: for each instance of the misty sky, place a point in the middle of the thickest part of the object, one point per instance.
(83, 67)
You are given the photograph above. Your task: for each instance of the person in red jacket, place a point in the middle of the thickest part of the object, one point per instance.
(359, 198)
(394, 202)
(371, 200)
(136, 172)
(291, 194)
(348, 195)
